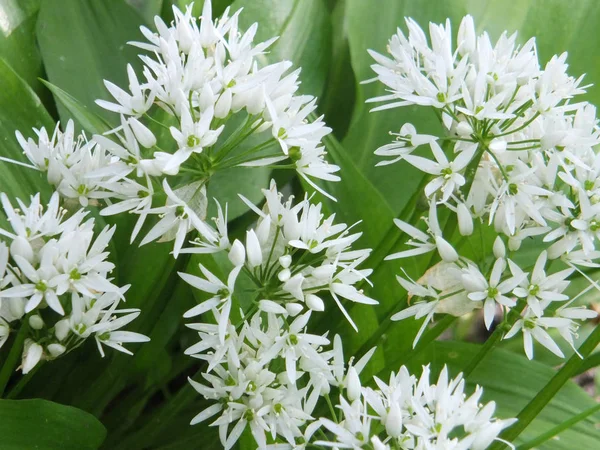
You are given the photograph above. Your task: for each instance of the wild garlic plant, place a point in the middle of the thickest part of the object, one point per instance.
(516, 159)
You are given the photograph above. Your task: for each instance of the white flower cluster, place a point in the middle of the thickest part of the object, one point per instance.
(54, 279)
(205, 84)
(269, 371)
(517, 157)
(412, 414)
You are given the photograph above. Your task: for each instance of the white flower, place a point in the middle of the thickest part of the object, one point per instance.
(491, 291)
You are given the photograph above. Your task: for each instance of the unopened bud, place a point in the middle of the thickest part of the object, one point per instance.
(285, 261)
(61, 329)
(223, 105)
(253, 249)
(36, 322)
(284, 275)
(294, 309)
(465, 220)
(56, 350)
(237, 254)
(142, 133)
(393, 421)
(463, 129)
(499, 248)
(446, 251)
(315, 303)
(352, 384)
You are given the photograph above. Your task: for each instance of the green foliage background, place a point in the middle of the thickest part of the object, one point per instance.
(144, 401)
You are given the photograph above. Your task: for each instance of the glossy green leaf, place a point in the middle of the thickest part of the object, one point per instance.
(43, 425)
(304, 31)
(20, 109)
(92, 48)
(90, 122)
(17, 39)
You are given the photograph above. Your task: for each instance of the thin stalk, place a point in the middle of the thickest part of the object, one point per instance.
(559, 428)
(493, 339)
(537, 404)
(13, 356)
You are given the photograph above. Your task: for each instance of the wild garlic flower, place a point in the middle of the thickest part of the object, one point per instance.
(413, 413)
(207, 84)
(55, 279)
(516, 160)
(295, 256)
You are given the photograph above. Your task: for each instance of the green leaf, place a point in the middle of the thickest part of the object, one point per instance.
(17, 39)
(90, 122)
(93, 47)
(304, 31)
(20, 109)
(512, 381)
(43, 425)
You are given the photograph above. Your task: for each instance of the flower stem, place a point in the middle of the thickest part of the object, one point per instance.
(493, 339)
(535, 406)
(559, 428)
(13, 356)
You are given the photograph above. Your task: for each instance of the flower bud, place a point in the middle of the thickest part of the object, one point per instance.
(61, 329)
(514, 244)
(16, 306)
(294, 309)
(352, 384)
(285, 261)
(36, 322)
(253, 249)
(465, 221)
(315, 303)
(446, 251)
(21, 246)
(207, 98)
(323, 272)
(237, 254)
(393, 421)
(270, 306)
(466, 39)
(499, 248)
(463, 129)
(142, 133)
(284, 275)
(291, 227)
(56, 350)
(263, 230)
(31, 356)
(223, 105)
(294, 286)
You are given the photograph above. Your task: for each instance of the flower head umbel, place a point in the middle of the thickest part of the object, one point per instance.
(55, 276)
(516, 160)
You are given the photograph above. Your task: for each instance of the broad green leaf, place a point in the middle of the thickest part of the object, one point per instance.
(304, 32)
(92, 48)
(147, 8)
(512, 381)
(20, 109)
(17, 39)
(43, 425)
(90, 122)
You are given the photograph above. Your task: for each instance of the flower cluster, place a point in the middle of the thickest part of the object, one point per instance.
(54, 280)
(410, 413)
(269, 371)
(217, 107)
(516, 159)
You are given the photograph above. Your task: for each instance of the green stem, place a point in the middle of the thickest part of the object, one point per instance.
(559, 428)
(13, 356)
(535, 406)
(430, 336)
(589, 363)
(16, 390)
(331, 408)
(493, 339)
